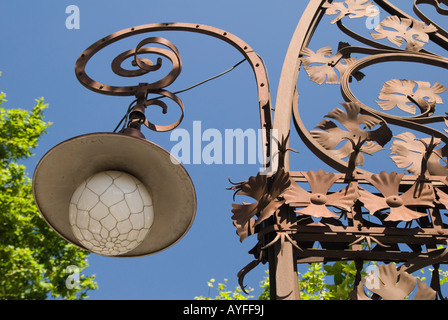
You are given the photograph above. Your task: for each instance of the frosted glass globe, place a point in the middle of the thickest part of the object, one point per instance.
(111, 213)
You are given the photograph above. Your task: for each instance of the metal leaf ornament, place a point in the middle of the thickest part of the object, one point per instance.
(414, 32)
(408, 152)
(332, 135)
(325, 71)
(267, 201)
(401, 94)
(315, 203)
(419, 194)
(350, 8)
(392, 284)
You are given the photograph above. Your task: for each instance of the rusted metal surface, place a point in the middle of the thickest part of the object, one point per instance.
(287, 92)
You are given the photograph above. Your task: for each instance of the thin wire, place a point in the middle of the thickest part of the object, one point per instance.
(202, 82)
(177, 92)
(125, 116)
(212, 78)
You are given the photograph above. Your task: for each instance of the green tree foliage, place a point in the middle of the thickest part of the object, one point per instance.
(343, 273)
(312, 284)
(320, 282)
(33, 258)
(225, 294)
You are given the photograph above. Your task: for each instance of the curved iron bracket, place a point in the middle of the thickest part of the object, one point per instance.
(171, 53)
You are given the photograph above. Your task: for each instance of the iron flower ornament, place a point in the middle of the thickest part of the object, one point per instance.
(316, 202)
(419, 194)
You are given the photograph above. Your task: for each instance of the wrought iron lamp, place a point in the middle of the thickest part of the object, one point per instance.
(118, 194)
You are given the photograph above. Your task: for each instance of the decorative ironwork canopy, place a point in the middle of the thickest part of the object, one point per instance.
(355, 214)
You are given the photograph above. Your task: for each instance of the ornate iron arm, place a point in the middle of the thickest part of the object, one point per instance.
(144, 67)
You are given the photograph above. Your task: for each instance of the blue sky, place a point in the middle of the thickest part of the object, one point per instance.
(38, 57)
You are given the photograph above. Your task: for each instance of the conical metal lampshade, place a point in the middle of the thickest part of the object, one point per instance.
(67, 165)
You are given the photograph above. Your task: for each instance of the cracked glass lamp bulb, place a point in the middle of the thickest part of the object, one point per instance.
(111, 213)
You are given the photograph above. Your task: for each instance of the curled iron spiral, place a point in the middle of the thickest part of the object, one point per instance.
(164, 48)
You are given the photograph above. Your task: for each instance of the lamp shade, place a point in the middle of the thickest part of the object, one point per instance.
(67, 166)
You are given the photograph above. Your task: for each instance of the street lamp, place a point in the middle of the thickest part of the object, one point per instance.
(118, 194)
(115, 194)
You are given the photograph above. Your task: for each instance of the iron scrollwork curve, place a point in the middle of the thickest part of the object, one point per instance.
(169, 51)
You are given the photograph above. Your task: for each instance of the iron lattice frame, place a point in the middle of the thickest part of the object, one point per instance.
(287, 203)
(287, 212)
